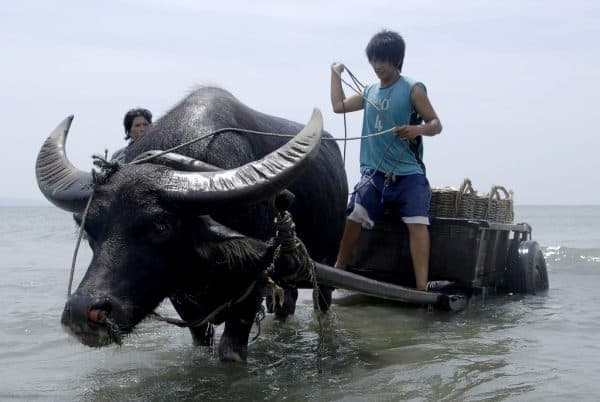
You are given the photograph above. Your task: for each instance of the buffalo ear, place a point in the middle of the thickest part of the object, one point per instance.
(220, 247)
(212, 231)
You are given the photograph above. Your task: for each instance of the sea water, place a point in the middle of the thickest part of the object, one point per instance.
(506, 348)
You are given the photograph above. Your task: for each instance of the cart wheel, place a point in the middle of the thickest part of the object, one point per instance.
(526, 271)
(542, 283)
(511, 283)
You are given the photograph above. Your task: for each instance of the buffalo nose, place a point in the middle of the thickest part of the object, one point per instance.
(80, 309)
(76, 310)
(97, 315)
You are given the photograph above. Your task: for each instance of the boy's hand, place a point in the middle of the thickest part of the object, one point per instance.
(407, 132)
(338, 67)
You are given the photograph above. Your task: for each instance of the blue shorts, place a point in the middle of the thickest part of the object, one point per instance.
(411, 194)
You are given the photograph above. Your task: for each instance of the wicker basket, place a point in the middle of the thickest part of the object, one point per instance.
(496, 206)
(500, 205)
(443, 202)
(466, 200)
(448, 202)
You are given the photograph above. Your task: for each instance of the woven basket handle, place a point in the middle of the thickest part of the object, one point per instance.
(495, 194)
(465, 188)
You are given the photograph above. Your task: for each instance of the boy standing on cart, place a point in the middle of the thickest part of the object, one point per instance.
(397, 113)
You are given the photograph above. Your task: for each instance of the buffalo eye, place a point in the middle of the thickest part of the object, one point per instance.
(159, 231)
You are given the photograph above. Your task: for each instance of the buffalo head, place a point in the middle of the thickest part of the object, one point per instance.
(151, 233)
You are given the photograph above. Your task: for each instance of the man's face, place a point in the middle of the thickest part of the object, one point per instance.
(385, 69)
(138, 127)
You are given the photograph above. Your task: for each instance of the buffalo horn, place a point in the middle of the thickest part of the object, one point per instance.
(60, 182)
(252, 182)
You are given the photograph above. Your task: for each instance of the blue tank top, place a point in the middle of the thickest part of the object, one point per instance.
(386, 108)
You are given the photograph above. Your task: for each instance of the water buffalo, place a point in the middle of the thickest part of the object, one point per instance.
(194, 230)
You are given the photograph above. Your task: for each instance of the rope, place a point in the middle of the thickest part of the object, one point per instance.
(345, 135)
(359, 89)
(242, 130)
(219, 131)
(210, 317)
(365, 182)
(260, 315)
(79, 236)
(114, 332)
(289, 243)
(355, 80)
(107, 168)
(355, 89)
(321, 341)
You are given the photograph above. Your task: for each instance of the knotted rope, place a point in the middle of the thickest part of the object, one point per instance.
(290, 244)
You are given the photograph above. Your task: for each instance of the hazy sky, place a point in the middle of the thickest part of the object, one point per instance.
(515, 82)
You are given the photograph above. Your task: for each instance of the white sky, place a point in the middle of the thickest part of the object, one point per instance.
(515, 82)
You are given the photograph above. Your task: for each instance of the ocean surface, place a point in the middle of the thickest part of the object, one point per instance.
(516, 348)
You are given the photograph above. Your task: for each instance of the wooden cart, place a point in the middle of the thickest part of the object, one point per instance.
(482, 257)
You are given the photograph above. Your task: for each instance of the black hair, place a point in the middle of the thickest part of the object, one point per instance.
(131, 115)
(387, 45)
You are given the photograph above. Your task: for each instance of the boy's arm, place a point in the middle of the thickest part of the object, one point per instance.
(339, 101)
(422, 105)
